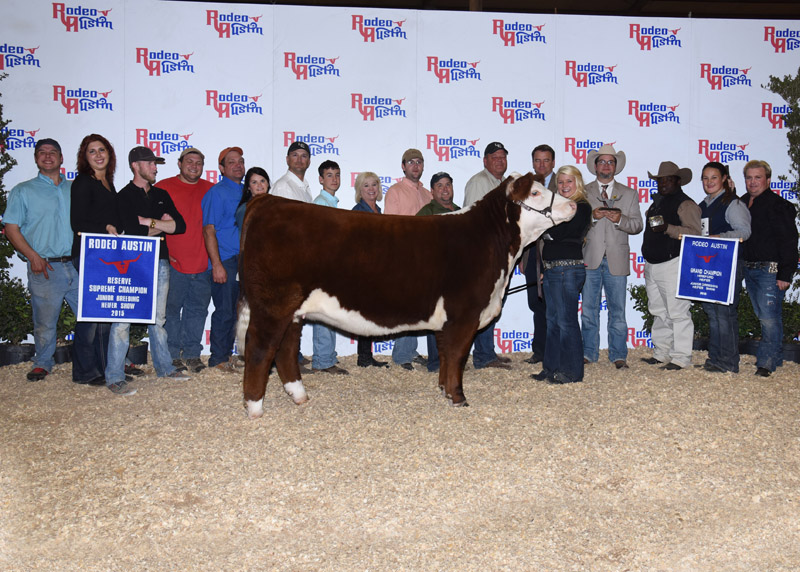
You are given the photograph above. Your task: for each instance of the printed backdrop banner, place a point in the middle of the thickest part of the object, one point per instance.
(361, 85)
(707, 269)
(118, 279)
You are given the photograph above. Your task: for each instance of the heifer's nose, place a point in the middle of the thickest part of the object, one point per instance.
(573, 205)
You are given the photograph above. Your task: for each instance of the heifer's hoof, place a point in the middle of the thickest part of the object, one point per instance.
(461, 404)
(255, 409)
(296, 391)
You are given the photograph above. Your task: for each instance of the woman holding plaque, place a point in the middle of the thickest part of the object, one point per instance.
(564, 275)
(93, 209)
(368, 192)
(723, 215)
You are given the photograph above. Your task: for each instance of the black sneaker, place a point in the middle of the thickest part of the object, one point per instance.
(37, 374)
(195, 364)
(763, 372)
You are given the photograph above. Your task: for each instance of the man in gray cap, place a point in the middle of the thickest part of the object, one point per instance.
(607, 254)
(189, 284)
(671, 215)
(37, 225)
(293, 184)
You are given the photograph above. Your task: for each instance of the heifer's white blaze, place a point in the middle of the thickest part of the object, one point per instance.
(321, 306)
(533, 224)
(495, 304)
(296, 391)
(255, 409)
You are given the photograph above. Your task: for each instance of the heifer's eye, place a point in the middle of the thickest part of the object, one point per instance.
(534, 193)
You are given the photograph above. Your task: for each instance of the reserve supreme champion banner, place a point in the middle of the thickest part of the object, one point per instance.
(118, 278)
(707, 269)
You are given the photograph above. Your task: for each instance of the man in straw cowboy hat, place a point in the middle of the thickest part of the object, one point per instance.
(671, 215)
(607, 254)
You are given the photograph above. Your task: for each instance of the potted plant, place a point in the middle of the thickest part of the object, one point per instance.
(137, 352)
(64, 332)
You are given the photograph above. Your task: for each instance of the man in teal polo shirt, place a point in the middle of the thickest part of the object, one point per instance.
(37, 224)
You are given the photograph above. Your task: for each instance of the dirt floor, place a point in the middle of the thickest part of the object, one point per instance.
(637, 469)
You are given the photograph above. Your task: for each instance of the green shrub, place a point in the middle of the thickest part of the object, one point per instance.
(16, 314)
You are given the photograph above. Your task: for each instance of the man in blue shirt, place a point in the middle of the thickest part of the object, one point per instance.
(324, 358)
(221, 236)
(37, 224)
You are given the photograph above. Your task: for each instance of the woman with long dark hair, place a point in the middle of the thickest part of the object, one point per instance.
(724, 216)
(256, 182)
(93, 209)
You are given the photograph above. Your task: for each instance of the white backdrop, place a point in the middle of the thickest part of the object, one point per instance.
(362, 85)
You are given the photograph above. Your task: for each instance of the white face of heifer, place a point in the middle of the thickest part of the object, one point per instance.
(541, 209)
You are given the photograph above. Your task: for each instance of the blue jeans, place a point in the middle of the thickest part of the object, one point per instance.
(187, 308)
(483, 347)
(433, 353)
(767, 301)
(404, 350)
(564, 351)
(223, 320)
(616, 293)
(89, 347)
(47, 295)
(118, 344)
(723, 329)
(324, 341)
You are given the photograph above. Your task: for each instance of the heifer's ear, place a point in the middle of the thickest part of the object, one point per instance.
(521, 188)
(539, 178)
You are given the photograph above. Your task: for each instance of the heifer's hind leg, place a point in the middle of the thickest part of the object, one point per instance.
(454, 343)
(259, 351)
(288, 366)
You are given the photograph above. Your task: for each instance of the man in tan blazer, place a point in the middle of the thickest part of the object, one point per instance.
(606, 253)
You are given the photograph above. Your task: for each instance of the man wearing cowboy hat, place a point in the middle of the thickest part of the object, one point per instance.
(607, 254)
(671, 215)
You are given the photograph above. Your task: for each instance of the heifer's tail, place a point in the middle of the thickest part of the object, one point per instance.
(242, 324)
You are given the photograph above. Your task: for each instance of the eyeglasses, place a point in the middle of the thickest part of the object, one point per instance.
(605, 162)
(415, 162)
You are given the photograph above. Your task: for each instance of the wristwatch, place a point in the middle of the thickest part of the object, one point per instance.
(152, 223)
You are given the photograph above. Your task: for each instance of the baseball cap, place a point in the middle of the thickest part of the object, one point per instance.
(440, 175)
(52, 142)
(227, 150)
(192, 150)
(494, 146)
(144, 154)
(298, 145)
(412, 154)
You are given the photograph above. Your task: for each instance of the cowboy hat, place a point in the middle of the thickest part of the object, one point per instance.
(592, 156)
(670, 169)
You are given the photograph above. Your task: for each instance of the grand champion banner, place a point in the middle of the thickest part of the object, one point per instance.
(707, 269)
(118, 278)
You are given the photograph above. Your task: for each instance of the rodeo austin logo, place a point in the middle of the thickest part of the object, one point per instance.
(453, 70)
(76, 100)
(447, 148)
(79, 18)
(637, 264)
(650, 113)
(512, 341)
(162, 142)
(227, 104)
(722, 152)
(513, 110)
(372, 29)
(724, 76)
(230, 24)
(775, 114)
(646, 187)
(639, 338)
(307, 66)
(163, 62)
(386, 182)
(782, 40)
(650, 37)
(317, 144)
(17, 139)
(13, 56)
(517, 33)
(372, 108)
(786, 189)
(590, 74)
(579, 149)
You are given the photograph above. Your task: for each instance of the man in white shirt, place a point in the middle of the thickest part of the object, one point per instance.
(293, 184)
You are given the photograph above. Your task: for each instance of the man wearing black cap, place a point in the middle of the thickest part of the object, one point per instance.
(145, 210)
(221, 236)
(494, 167)
(37, 225)
(293, 184)
(495, 164)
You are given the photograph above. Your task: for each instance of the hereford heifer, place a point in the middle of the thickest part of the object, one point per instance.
(380, 275)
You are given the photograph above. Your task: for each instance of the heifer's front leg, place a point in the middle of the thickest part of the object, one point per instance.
(259, 351)
(288, 366)
(454, 343)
